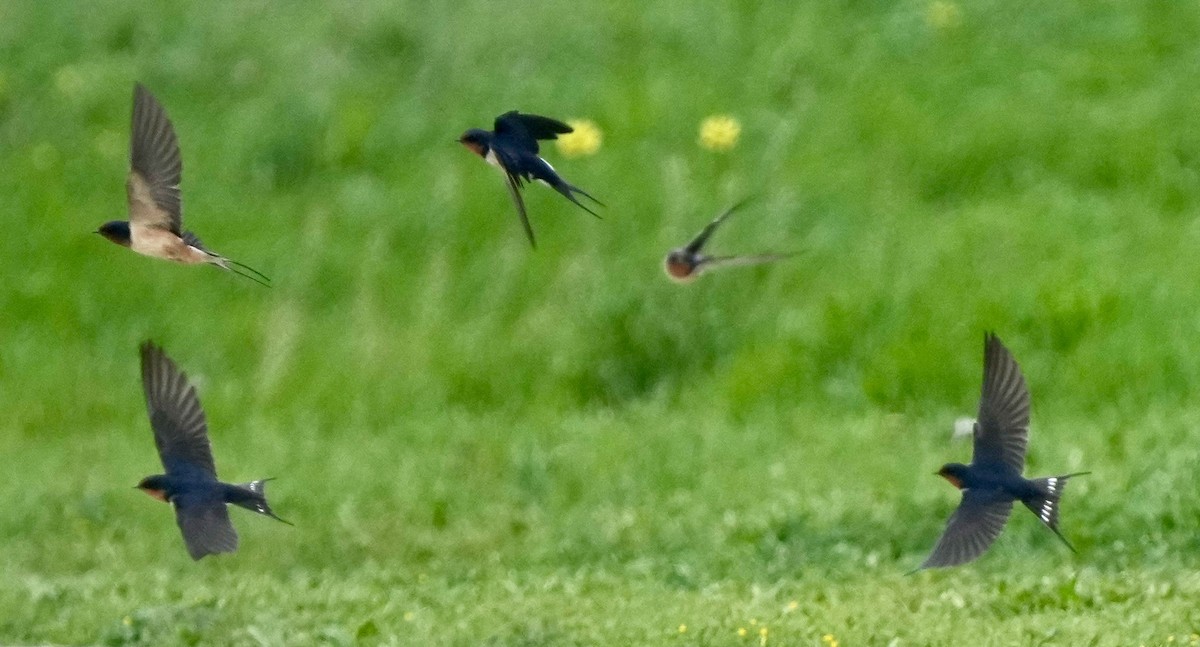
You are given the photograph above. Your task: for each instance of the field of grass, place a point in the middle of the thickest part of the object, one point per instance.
(480, 444)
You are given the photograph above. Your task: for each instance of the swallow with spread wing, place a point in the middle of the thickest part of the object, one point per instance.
(685, 264)
(512, 146)
(155, 225)
(993, 482)
(190, 483)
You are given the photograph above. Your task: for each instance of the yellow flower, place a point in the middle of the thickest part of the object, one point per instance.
(741, 632)
(762, 637)
(943, 14)
(719, 133)
(682, 629)
(793, 605)
(828, 639)
(584, 140)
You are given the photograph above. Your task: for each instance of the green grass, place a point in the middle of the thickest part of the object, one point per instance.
(480, 444)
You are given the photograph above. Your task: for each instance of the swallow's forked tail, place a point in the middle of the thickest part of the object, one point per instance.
(228, 264)
(241, 269)
(253, 496)
(1045, 505)
(569, 190)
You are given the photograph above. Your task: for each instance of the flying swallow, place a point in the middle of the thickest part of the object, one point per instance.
(686, 263)
(993, 481)
(155, 225)
(513, 148)
(190, 484)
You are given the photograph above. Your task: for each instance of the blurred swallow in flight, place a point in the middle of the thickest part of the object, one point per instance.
(190, 484)
(513, 148)
(155, 220)
(993, 482)
(684, 264)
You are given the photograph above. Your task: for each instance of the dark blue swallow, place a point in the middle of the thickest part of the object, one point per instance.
(993, 482)
(155, 225)
(685, 264)
(513, 147)
(190, 484)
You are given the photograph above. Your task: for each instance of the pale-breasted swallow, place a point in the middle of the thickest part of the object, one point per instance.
(155, 220)
(686, 263)
(993, 481)
(513, 147)
(190, 484)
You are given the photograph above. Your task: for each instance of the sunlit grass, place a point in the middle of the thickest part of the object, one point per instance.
(484, 444)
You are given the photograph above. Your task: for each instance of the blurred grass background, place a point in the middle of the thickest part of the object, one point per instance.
(481, 444)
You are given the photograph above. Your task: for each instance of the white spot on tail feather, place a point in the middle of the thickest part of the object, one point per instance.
(1047, 511)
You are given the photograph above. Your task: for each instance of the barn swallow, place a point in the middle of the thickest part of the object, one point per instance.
(155, 220)
(993, 481)
(684, 264)
(190, 484)
(513, 148)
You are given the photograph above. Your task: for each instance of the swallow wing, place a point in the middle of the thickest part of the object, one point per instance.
(514, 189)
(180, 429)
(972, 528)
(540, 127)
(205, 526)
(1002, 428)
(514, 174)
(156, 166)
(713, 262)
(527, 129)
(702, 238)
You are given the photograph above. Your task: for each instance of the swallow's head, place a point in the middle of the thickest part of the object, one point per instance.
(117, 231)
(680, 266)
(955, 473)
(154, 486)
(479, 141)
